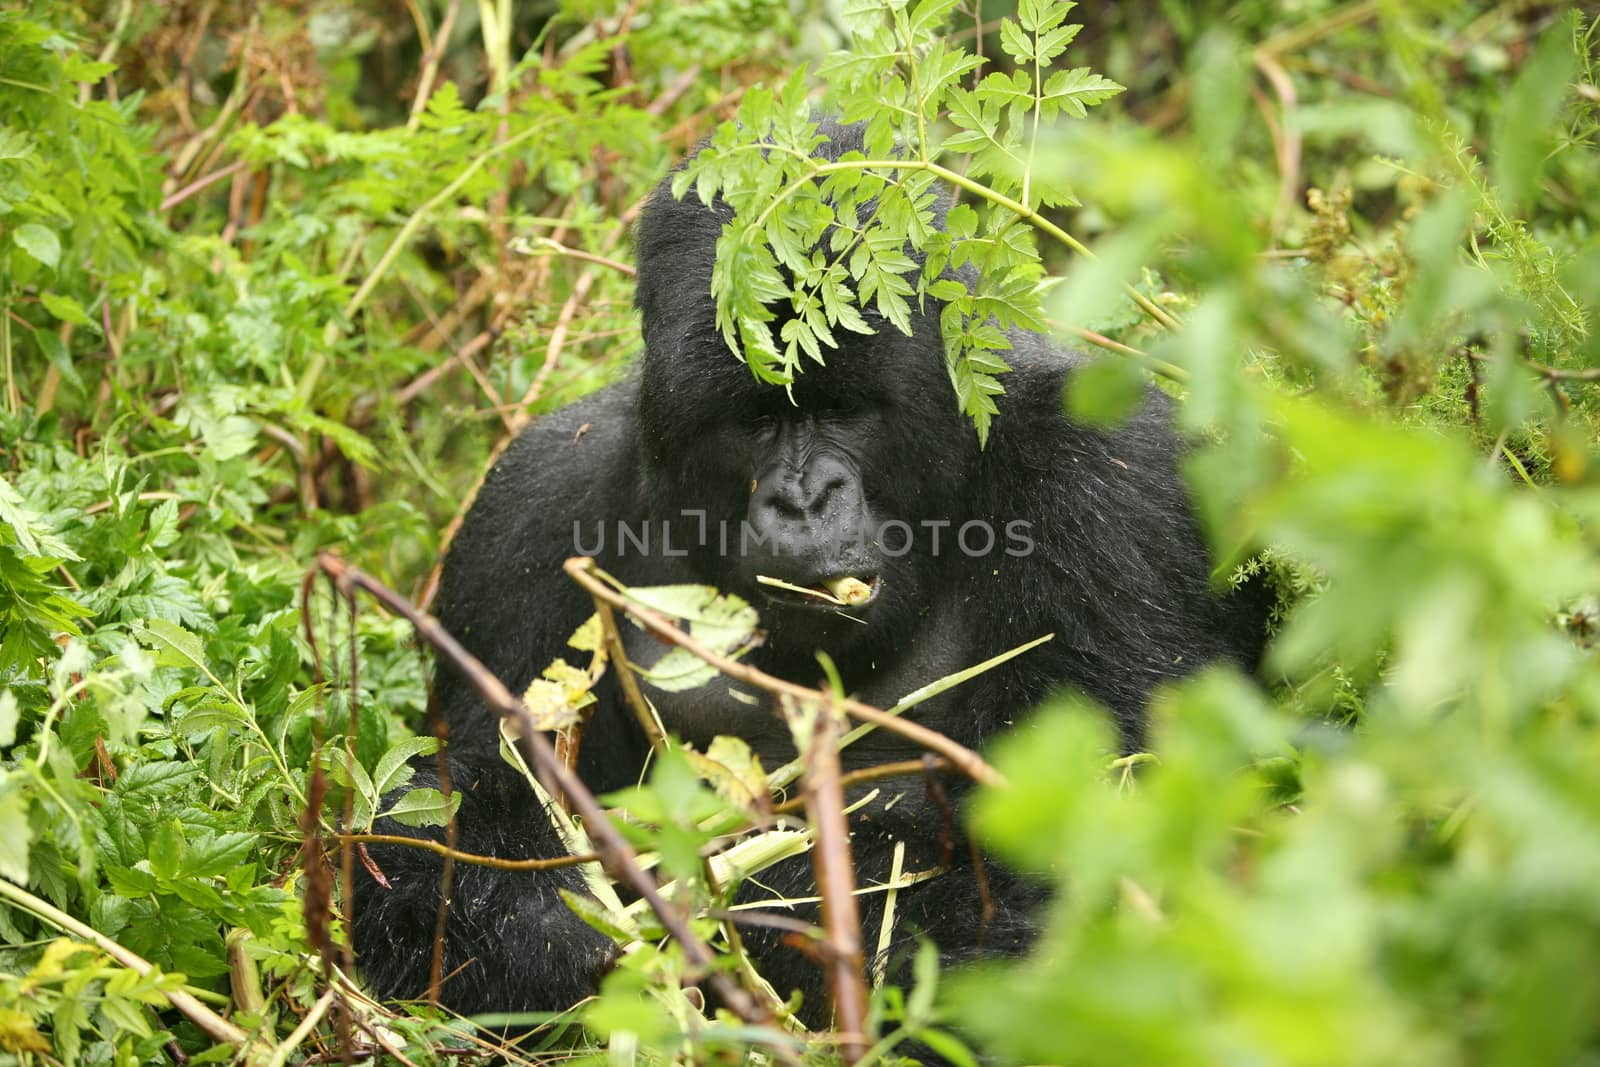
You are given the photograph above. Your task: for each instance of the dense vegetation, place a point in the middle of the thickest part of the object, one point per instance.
(277, 279)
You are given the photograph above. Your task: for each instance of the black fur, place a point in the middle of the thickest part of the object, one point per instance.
(1117, 571)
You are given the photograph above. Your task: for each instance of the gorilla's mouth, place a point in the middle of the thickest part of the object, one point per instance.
(847, 591)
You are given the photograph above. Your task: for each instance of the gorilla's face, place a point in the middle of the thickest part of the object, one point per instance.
(830, 480)
(820, 496)
(833, 478)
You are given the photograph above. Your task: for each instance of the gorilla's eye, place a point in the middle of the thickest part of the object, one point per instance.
(851, 406)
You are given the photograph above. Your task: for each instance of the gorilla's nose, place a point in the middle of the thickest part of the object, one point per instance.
(807, 512)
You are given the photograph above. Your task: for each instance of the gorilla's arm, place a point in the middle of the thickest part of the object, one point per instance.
(511, 944)
(1119, 569)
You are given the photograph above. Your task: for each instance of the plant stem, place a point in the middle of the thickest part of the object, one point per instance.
(214, 1025)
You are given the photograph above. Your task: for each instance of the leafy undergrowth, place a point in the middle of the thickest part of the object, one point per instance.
(278, 278)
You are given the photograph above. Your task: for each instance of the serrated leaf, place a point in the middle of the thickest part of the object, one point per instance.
(1005, 90)
(167, 848)
(1016, 43)
(930, 15)
(216, 855)
(163, 524)
(173, 645)
(1052, 43)
(1074, 91)
(423, 807)
(147, 782)
(209, 715)
(34, 538)
(392, 770)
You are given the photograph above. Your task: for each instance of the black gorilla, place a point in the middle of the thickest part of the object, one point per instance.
(968, 552)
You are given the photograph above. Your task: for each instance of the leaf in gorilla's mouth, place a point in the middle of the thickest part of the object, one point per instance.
(846, 591)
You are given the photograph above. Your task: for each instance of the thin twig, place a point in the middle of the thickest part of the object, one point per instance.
(202, 183)
(473, 858)
(209, 1022)
(552, 350)
(556, 248)
(873, 774)
(674, 92)
(1553, 374)
(430, 66)
(1285, 138)
(407, 229)
(615, 854)
(1293, 39)
(280, 1055)
(583, 571)
(1167, 370)
(626, 676)
(835, 874)
(458, 357)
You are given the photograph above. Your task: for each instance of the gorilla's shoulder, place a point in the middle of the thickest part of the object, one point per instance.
(592, 436)
(578, 462)
(1036, 390)
(590, 420)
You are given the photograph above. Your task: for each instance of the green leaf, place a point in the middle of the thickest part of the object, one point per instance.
(16, 831)
(131, 881)
(614, 925)
(1074, 91)
(861, 17)
(950, 1048)
(423, 807)
(10, 714)
(33, 536)
(39, 242)
(174, 646)
(1525, 130)
(392, 771)
(1054, 42)
(58, 355)
(925, 981)
(217, 855)
(65, 308)
(1105, 392)
(1016, 44)
(167, 848)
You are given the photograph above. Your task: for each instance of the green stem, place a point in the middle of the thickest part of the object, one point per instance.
(961, 181)
(1033, 136)
(13, 398)
(214, 1025)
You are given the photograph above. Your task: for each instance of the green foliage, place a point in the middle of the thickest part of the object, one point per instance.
(252, 306)
(830, 240)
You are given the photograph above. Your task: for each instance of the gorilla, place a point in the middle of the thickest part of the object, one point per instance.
(1051, 527)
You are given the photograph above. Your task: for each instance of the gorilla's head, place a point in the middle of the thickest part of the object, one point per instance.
(831, 478)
